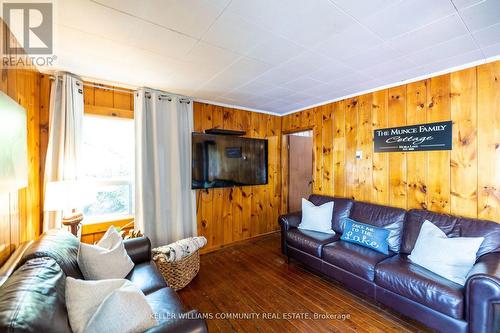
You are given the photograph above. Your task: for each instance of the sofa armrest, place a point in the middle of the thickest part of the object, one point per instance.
(138, 249)
(191, 323)
(482, 294)
(286, 222)
(290, 220)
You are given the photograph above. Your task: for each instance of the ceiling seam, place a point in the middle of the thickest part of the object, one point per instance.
(356, 20)
(208, 28)
(216, 19)
(144, 20)
(470, 32)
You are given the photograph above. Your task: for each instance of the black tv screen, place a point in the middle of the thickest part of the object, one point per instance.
(227, 161)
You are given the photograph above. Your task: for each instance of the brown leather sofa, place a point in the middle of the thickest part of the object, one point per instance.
(32, 299)
(393, 279)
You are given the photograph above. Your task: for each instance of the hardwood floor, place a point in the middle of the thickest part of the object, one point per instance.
(253, 282)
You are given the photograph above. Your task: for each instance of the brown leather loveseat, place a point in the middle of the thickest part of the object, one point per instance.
(393, 279)
(32, 299)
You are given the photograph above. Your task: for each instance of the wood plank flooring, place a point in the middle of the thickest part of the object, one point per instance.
(249, 287)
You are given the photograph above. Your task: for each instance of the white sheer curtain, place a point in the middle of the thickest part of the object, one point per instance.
(65, 135)
(165, 203)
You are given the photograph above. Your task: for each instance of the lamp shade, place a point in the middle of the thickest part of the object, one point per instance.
(62, 195)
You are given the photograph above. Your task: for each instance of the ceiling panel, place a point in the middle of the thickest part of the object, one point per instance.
(391, 66)
(406, 16)
(255, 87)
(349, 42)
(211, 56)
(234, 33)
(275, 55)
(239, 73)
(444, 50)
(488, 36)
(279, 75)
(492, 51)
(437, 32)
(159, 40)
(311, 22)
(301, 84)
(277, 92)
(461, 4)
(275, 50)
(305, 63)
(363, 9)
(481, 15)
(113, 25)
(377, 55)
(331, 71)
(191, 17)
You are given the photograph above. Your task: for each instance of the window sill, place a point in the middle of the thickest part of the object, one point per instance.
(93, 226)
(106, 219)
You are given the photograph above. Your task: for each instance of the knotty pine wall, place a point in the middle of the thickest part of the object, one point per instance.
(464, 181)
(227, 215)
(105, 100)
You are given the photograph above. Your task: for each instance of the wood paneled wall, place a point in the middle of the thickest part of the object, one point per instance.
(20, 213)
(228, 215)
(464, 181)
(108, 100)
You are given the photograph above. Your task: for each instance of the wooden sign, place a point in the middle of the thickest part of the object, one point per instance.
(422, 137)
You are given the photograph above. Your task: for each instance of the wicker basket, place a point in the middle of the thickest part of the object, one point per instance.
(178, 274)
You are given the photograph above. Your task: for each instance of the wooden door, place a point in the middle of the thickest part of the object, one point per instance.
(300, 170)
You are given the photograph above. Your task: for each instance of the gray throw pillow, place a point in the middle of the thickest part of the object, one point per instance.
(111, 306)
(108, 259)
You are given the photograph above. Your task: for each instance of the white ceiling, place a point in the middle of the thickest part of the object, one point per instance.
(271, 55)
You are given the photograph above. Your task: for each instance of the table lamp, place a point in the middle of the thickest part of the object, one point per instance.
(65, 196)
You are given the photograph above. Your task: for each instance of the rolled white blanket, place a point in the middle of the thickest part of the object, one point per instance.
(180, 249)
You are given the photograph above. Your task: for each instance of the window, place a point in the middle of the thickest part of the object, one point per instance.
(108, 166)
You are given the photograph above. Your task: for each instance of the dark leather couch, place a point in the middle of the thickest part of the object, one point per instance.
(32, 299)
(393, 279)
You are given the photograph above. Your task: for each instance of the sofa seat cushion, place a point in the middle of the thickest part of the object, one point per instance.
(399, 275)
(146, 277)
(309, 241)
(165, 302)
(354, 258)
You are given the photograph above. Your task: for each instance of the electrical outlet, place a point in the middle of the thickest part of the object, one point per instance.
(359, 154)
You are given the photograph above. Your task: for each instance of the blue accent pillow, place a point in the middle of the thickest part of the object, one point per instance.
(366, 235)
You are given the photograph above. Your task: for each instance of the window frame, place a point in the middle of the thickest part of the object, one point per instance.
(96, 222)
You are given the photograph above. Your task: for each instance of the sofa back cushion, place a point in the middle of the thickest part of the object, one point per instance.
(59, 245)
(390, 218)
(452, 226)
(341, 208)
(33, 299)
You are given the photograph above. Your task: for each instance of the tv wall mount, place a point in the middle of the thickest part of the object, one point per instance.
(220, 131)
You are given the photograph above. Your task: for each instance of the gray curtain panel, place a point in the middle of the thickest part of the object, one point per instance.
(165, 203)
(65, 136)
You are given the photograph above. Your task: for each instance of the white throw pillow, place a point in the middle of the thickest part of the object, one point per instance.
(108, 259)
(452, 258)
(317, 218)
(110, 306)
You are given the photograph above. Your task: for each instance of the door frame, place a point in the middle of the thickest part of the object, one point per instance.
(285, 164)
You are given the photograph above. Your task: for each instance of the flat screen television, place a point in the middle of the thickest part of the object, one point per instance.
(227, 161)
